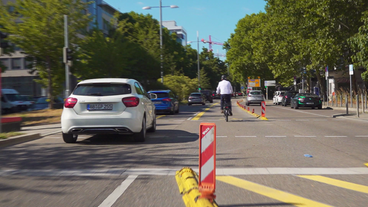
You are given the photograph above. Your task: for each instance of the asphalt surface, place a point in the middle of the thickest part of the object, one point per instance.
(38, 131)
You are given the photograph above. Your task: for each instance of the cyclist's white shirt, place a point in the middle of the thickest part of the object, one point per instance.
(224, 87)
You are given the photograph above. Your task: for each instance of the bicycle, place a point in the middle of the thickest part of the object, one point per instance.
(227, 110)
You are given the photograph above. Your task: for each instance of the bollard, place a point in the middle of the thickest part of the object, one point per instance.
(361, 96)
(207, 160)
(248, 108)
(253, 111)
(263, 105)
(340, 100)
(357, 105)
(346, 104)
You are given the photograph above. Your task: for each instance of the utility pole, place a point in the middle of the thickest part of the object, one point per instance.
(66, 45)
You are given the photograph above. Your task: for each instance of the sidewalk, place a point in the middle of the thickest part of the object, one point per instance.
(31, 133)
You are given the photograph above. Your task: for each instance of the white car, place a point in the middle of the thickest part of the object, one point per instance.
(277, 97)
(108, 106)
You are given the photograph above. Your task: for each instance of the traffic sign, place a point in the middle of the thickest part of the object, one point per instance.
(270, 83)
(351, 69)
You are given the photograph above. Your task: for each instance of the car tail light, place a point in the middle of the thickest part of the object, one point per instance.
(301, 99)
(190, 97)
(285, 96)
(167, 99)
(70, 102)
(131, 101)
(249, 95)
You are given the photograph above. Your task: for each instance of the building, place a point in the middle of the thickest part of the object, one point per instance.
(18, 76)
(181, 34)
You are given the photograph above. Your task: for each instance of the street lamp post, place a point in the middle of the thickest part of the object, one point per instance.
(161, 53)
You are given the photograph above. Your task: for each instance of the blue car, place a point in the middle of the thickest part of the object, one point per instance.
(166, 101)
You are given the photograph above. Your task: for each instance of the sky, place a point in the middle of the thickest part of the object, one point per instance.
(217, 18)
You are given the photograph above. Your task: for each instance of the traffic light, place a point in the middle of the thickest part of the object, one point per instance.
(67, 55)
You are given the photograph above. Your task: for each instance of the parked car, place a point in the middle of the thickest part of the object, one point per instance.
(13, 101)
(196, 98)
(207, 95)
(215, 95)
(277, 97)
(254, 97)
(306, 100)
(240, 93)
(44, 102)
(108, 106)
(165, 101)
(287, 97)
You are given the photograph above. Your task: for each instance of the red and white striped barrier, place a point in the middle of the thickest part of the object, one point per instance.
(263, 104)
(207, 160)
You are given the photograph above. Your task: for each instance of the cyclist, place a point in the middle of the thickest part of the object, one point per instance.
(225, 90)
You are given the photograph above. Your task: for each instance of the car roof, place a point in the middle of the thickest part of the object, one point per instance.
(108, 80)
(196, 93)
(155, 91)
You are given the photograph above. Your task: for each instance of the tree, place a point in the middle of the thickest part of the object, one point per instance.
(180, 85)
(38, 28)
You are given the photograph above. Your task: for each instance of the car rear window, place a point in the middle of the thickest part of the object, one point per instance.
(102, 89)
(195, 94)
(255, 93)
(161, 95)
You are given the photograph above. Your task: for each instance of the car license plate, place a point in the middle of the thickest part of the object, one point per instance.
(96, 107)
(157, 102)
(310, 103)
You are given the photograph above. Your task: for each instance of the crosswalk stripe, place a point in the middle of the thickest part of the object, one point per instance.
(335, 182)
(270, 192)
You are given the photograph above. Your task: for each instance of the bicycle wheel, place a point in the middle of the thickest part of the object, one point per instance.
(226, 112)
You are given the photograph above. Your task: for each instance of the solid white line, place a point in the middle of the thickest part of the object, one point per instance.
(335, 136)
(111, 199)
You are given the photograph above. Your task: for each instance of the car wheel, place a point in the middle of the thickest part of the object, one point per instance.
(70, 138)
(172, 111)
(320, 106)
(177, 111)
(211, 101)
(153, 128)
(247, 104)
(141, 136)
(203, 103)
(313, 107)
(296, 106)
(189, 104)
(291, 105)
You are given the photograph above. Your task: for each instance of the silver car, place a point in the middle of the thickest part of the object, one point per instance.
(254, 97)
(196, 98)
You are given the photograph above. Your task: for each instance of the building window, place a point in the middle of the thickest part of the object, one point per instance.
(16, 64)
(28, 64)
(5, 63)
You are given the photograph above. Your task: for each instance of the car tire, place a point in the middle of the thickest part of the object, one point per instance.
(177, 111)
(172, 111)
(211, 101)
(203, 103)
(153, 128)
(141, 136)
(70, 138)
(296, 106)
(320, 106)
(189, 104)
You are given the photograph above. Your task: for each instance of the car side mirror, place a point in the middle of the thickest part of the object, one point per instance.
(153, 96)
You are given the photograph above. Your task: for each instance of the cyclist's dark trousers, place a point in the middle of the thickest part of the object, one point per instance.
(225, 98)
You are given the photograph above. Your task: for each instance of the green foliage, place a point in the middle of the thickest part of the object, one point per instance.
(37, 27)
(181, 85)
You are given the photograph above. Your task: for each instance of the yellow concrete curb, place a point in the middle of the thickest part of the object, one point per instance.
(253, 114)
(187, 181)
(366, 164)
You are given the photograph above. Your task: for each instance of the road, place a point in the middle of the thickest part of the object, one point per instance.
(259, 162)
